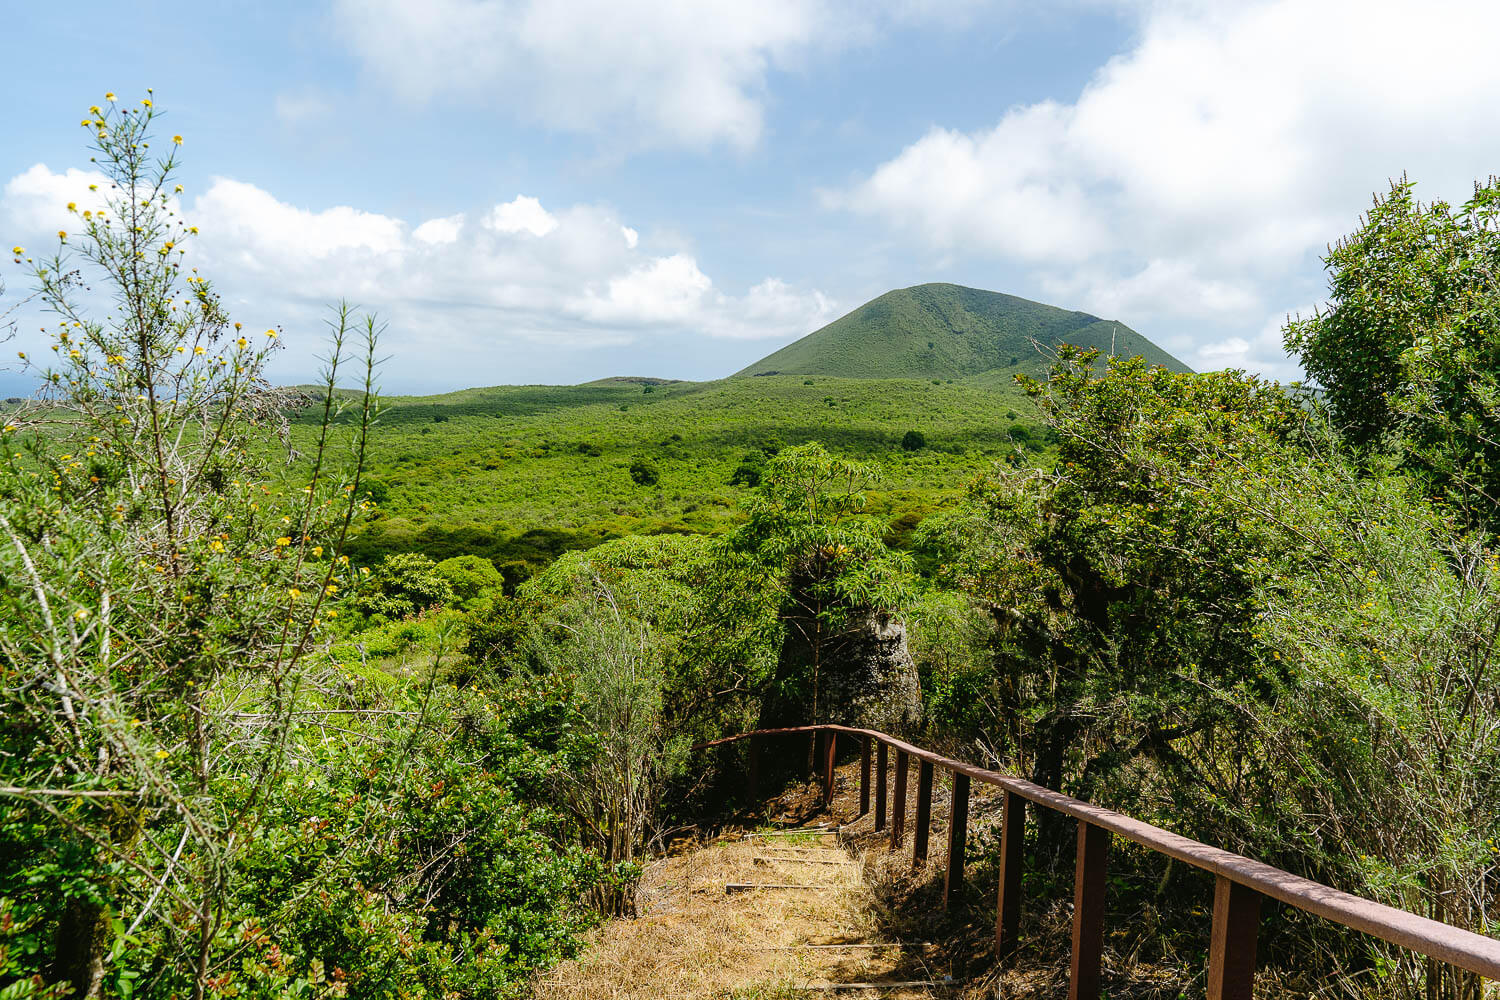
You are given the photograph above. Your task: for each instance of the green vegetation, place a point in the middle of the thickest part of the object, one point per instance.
(947, 332)
(521, 474)
(403, 724)
(201, 791)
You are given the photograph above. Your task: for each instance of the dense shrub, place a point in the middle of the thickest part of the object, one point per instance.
(644, 472)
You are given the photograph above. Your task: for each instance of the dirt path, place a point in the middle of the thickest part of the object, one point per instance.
(723, 921)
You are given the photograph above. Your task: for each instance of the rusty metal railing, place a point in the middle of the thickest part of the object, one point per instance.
(1241, 884)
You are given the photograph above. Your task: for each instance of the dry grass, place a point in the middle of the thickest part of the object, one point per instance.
(692, 940)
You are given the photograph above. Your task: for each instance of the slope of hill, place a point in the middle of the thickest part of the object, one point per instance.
(948, 331)
(525, 472)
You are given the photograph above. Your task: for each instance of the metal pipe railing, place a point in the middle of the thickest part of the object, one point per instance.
(1240, 886)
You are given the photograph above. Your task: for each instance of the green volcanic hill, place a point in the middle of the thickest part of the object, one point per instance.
(948, 331)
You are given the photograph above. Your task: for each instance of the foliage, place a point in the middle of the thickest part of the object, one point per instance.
(470, 577)
(1205, 612)
(162, 597)
(521, 474)
(404, 584)
(644, 472)
(194, 797)
(913, 441)
(1408, 348)
(826, 567)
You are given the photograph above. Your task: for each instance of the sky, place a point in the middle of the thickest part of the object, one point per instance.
(554, 191)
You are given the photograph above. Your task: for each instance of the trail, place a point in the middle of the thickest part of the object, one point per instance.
(780, 912)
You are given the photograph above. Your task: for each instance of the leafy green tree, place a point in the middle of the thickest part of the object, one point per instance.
(824, 565)
(1118, 588)
(404, 584)
(1204, 611)
(913, 441)
(1408, 349)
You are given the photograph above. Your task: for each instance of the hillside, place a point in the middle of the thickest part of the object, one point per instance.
(948, 331)
(524, 472)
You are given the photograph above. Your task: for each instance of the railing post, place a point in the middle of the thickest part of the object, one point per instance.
(1231, 952)
(830, 754)
(924, 812)
(814, 746)
(864, 775)
(1088, 911)
(753, 778)
(898, 806)
(1012, 858)
(880, 778)
(958, 838)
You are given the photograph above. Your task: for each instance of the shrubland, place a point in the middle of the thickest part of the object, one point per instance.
(400, 709)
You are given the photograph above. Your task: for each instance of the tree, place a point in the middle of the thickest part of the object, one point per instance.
(162, 592)
(1408, 350)
(835, 582)
(404, 584)
(913, 441)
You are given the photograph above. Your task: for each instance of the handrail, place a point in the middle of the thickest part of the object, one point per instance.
(1236, 910)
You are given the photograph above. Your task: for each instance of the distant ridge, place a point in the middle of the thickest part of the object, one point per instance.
(948, 331)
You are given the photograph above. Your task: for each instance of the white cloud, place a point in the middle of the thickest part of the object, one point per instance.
(523, 215)
(661, 73)
(37, 200)
(566, 280)
(1199, 173)
(443, 230)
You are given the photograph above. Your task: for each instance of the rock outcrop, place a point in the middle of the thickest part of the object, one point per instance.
(864, 676)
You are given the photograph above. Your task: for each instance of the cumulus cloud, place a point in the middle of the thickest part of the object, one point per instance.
(1199, 173)
(523, 215)
(680, 74)
(523, 275)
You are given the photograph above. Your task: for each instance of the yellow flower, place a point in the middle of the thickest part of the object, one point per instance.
(81, 614)
(177, 139)
(199, 350)
(18, 251)
(162, 755)
(283, 541)
(72, 206)
(294, 592)
(94, 110)
(146, 102)
(317, 550)
(194, 231)
(109, 97)
(61, 235)
(216, 546)
(271, 334)
(95, 187)
(177, 189)
(242, 342)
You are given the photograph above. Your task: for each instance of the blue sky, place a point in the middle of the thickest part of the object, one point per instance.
(559, 190)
